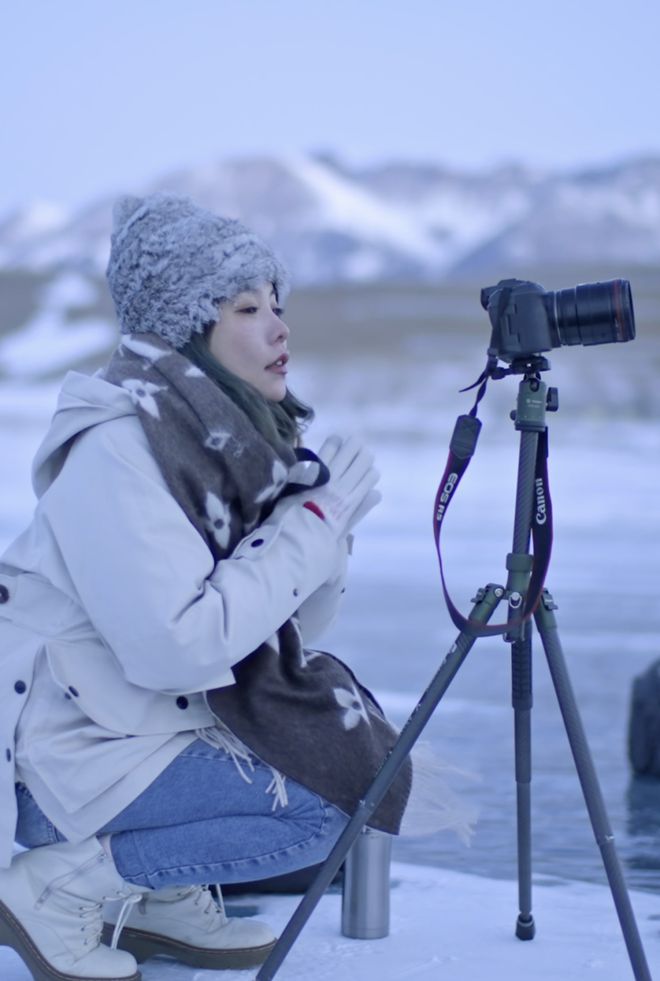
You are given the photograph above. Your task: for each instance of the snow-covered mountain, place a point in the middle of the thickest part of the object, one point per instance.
(396, 221)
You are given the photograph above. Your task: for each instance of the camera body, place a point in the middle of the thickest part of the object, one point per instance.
(526, 319)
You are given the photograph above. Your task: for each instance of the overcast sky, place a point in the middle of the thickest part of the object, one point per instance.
(100, 98)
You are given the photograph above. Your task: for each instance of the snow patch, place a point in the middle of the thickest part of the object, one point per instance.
(444, 926)
(49, 343)
(346, 206)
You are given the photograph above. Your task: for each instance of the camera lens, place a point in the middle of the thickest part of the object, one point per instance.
(593, 313)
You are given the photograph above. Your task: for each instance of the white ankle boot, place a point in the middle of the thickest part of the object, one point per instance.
(188, 925)
(51, 912)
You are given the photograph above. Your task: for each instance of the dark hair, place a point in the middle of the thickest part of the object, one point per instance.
(278, 422)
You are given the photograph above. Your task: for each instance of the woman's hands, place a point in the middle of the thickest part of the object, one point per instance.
(350, 493)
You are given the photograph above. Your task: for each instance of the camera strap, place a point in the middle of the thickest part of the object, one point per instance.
(461, 449)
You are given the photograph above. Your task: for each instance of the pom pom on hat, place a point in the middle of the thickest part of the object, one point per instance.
(172, 262)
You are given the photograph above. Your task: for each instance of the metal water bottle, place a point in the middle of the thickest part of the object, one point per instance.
(365, 908)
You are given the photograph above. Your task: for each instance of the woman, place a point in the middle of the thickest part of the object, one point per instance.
(165, 723)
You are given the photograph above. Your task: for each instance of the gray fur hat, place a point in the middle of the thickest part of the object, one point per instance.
(172, 262)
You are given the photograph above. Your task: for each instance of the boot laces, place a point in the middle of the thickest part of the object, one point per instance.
(92, 925)
(205, 899)
(91, 915)
(201, 897)
(124, 912)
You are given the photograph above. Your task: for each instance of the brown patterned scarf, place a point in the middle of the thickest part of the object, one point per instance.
(303, 712)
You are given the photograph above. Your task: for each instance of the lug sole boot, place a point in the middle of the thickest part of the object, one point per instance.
(188, 925)
(51, 912)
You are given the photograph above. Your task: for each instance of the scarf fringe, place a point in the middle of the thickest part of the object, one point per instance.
(433, 805)
(219, 736)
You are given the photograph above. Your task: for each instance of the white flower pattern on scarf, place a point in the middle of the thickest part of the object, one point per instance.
(278, 480)
(217, 520)
(142, 393)
(352, 703)
(143, 348)
(217, 440)
(306, 656)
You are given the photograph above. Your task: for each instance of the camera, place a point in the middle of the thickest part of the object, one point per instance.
(526, 319)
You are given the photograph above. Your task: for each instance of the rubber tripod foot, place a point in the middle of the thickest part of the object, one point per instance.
(525, 927)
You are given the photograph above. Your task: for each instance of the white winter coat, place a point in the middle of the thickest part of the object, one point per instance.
(114, 619)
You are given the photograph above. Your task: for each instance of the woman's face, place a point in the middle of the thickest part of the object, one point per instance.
(250, 340)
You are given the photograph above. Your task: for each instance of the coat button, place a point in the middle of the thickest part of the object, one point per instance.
(182, 702)
(8, 755)
(4, 594)
(20, 687)
(74, 691)
(255, 543)
(296, 592)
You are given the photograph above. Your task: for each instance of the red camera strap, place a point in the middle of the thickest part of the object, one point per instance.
(461, 449)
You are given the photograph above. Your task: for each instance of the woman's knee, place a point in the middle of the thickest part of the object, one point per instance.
(314, 816)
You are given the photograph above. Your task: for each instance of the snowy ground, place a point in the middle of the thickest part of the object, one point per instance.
(447, 926)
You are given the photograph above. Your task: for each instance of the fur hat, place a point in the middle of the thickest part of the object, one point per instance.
(172, 262)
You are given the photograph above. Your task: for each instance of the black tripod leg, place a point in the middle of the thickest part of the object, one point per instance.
(547, 627)
(485, 604)
(519, 565)
(521, 683)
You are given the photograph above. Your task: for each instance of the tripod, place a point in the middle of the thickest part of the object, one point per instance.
(534, 398)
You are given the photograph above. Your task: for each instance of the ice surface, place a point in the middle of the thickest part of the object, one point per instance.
(446, 926)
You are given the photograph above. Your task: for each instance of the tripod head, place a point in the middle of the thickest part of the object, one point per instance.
(534, 397)
(528, 364)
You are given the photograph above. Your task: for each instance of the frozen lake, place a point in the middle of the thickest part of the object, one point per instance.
(604, 577)
(394, 630)
(605, 573)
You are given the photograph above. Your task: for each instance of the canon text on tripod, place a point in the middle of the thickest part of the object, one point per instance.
(541, 513)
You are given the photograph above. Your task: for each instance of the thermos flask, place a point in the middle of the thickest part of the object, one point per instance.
(365, 909)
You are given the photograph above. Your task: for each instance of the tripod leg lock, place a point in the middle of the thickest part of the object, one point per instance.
(548, 602)
(484, 592)
(519, 562)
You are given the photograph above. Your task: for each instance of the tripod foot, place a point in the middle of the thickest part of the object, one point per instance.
(525, 927)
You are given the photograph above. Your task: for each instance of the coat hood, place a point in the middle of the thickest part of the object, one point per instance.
(84, 401)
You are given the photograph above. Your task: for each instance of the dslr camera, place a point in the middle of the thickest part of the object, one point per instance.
(526, 319)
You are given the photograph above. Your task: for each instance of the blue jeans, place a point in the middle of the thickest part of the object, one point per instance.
(200, 821)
